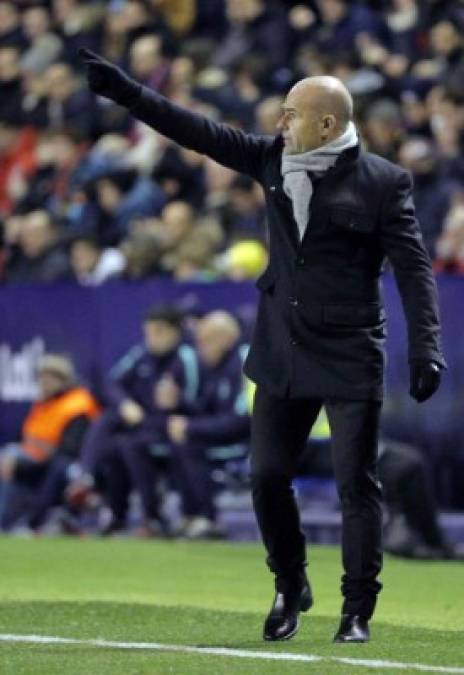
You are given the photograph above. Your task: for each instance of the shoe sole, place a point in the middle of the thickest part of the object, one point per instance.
(284, 637)
(305, 605)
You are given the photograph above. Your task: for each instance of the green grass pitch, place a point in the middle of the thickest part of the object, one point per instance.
(208, 595)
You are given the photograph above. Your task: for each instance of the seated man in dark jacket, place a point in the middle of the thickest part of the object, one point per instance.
(116, 446)
(211, 427)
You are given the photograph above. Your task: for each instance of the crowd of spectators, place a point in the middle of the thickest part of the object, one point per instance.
(88, 193)
(174, 406)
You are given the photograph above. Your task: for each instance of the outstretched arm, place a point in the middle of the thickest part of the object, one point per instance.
(231, 147)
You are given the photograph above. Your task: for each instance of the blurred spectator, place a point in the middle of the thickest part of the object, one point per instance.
(60, 171)
(412, 528)
(34, 104)
(415, 114)
(236, 96)
(257, 28)
(211, 21)
(135, 18)
(403, 62)
(142, 253)
(79, 24)
(181, 175)
(268, 113)
(39, 256)
(17, 161)
(118, 445)
(51, 438)
(91, 264)
(10, 85)
(243, 215)
(447, 41)
(450, 246)
(404, 23)
(194, 258)
(69, 103)
(432, 190)
(44, 46)
(382, 128)
(218, 417)
(193, 261)
(179, 15)
(114, 200)
(178, 227)
(11, 34)
(147, 62)
(342, 23)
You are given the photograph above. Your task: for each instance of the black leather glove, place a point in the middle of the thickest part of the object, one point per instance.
(424, 379)
(106, 79)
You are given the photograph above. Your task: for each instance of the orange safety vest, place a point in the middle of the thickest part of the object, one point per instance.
(44, 425)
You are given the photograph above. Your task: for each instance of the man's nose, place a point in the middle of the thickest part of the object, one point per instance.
(281, 123)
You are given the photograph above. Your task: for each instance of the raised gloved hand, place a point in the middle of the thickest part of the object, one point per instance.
(424, 379)
(106, 79)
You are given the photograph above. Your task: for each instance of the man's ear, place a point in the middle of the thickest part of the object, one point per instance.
(328, 124)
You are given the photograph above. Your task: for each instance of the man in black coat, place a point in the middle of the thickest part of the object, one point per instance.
(335, 213)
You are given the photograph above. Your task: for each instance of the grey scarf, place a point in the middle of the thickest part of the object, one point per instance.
(297, 183)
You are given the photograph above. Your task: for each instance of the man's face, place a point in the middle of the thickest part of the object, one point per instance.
(36, 235)
(108, 195)
(243, 10)
(60, 82)
(50, 384)
(84, 257)
(332, 11)
(299, 124)
(145, 56)
(211, 344)
(9, 64)
(160, 336)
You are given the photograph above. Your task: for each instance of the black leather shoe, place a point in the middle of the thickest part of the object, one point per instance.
(353, 628)
(290, 599)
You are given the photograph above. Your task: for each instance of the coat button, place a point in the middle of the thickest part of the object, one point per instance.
(300, 260)
(294, 302)
(294, 341)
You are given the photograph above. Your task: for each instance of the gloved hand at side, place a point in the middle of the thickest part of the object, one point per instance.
(424, 379)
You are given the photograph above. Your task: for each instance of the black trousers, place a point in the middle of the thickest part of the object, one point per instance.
(279, 430)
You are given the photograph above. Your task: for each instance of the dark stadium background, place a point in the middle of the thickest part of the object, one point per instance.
(73, 166)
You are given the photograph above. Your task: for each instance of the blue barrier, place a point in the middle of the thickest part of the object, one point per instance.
(97, 325)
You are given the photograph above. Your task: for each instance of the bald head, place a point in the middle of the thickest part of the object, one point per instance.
(316, 111)
(328, 95)
(216, 334)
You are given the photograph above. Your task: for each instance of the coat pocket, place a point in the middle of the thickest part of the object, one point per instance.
(352, 220)
(266, 281)
(356, 316)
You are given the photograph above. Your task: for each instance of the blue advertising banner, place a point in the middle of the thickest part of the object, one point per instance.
(96, 326)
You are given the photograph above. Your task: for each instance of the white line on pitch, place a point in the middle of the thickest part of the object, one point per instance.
(224, 651)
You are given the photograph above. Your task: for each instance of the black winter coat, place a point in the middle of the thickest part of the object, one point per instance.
(320, 327)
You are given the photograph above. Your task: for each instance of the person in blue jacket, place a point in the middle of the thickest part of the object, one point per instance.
(215, 427)
(117, 446)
